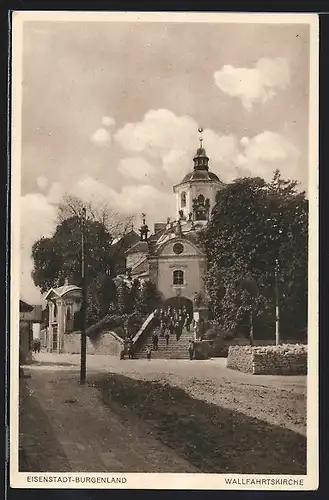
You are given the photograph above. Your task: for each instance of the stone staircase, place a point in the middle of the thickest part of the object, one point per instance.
(175, 349)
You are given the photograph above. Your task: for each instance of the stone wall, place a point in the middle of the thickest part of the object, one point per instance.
(286, 359)
(106, 343)
(240, 358)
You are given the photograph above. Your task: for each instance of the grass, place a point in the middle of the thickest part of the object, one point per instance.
(212, 438)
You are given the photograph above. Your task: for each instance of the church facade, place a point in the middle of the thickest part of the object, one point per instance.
(173, 257)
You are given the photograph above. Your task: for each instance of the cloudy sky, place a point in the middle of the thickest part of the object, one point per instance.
(111, 112)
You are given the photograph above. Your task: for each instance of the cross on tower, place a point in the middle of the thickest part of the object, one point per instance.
(200, 130)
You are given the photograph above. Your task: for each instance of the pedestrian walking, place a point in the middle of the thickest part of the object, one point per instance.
(130, 350)
(178, 330)
(191, 349)
(155, 341)
(171, 326)
(36, 345)
(188, 321)
(167, 335)
(149, 353)
(162, 328)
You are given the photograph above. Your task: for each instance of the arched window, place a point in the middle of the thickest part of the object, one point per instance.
(178, 277)
(200, 199)
(55, 311)
(183, 199)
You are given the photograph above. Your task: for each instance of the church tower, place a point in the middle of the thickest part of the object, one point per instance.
(196, 193)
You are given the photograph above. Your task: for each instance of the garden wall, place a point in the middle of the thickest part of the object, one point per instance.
(286, 359)
(106, 343)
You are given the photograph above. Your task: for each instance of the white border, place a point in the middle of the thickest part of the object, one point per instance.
(167, 481)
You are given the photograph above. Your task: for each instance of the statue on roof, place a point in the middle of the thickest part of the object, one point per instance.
(144, 230)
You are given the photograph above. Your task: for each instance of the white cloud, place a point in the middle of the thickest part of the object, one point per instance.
(136, 168)
(101, 137)
(55, 193)
(42, 182)
(254, 85)
(37, 219)
(267, 151)
(132, 199)
(172, 140)
(108, 121)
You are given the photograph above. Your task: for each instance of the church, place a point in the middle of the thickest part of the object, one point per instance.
(172, 257)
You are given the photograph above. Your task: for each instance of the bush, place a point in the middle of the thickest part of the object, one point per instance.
(219, 340)
(127, 324)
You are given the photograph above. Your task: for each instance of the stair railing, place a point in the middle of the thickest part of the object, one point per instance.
(143, 327)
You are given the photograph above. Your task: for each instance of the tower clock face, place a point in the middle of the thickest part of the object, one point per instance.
(178, 248)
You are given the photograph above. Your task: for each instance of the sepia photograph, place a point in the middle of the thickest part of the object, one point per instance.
(164, 177)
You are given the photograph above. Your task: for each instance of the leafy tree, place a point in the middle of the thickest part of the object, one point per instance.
(123, 298)
(252, 225)
(148, 297)
(59, 258)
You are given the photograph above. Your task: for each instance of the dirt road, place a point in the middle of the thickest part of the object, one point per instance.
(277, 400)
(65, 427)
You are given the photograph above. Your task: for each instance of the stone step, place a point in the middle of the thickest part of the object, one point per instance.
(176, 349)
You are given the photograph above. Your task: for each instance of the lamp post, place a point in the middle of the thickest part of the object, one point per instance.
(277, 314)
(83, 358)
(276, 284)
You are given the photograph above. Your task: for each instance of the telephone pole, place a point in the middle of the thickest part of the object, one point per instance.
(277, 315)
(83, 359)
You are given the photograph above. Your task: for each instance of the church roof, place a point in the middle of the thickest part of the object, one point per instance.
(139, 247)
(201, 167)
(124, 242)
(200, 175)
(141, 268)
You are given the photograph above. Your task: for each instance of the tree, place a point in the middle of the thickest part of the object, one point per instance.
(58, 258)
(253, 223)
(116, 224)
(148, 297)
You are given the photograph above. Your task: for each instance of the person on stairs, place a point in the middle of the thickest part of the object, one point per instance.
(155, 341)
(167, 335)
(178, 330)
(162, 328)
(130, 349)
(191, 349)
(171, 326)
(149, 353)
(188, 321)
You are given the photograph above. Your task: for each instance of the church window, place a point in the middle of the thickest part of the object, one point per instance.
(200, 198)
(178, 248)
(183, 199)
(178, 277)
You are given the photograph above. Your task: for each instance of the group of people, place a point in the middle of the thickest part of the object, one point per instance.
(36, 345)
(168, 322)
(171, 321)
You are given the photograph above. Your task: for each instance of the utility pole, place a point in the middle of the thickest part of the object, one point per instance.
(251, 330)
(277, 316)
(83, 358)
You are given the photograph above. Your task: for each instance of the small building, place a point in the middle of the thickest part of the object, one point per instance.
(62, 303)
(28, 316)
(118, 251)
